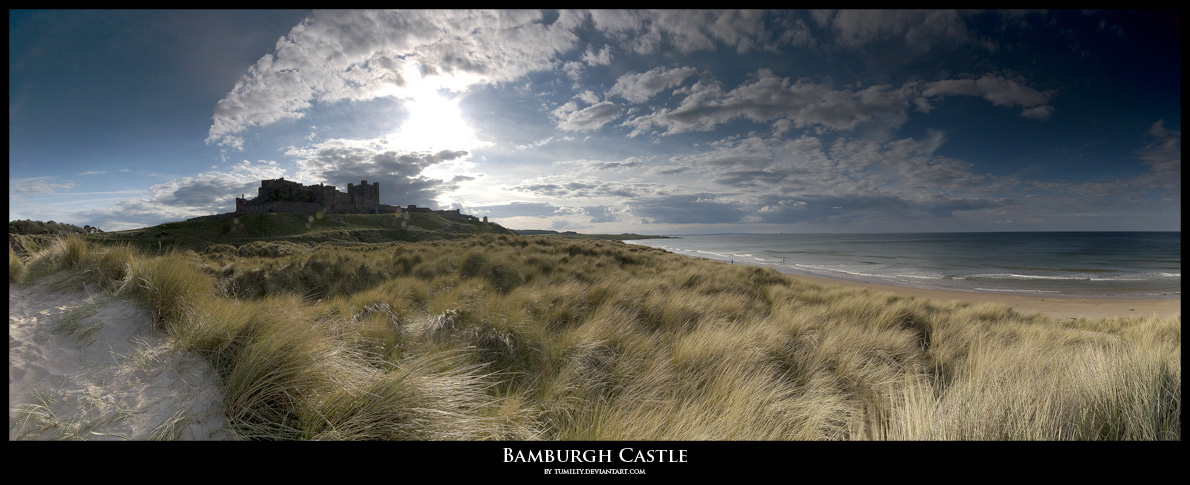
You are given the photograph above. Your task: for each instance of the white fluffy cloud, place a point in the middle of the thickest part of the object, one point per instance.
(639, 87)
(999, 90)
(364, 54)
(571, 118)
(768, 97)
(686, 30)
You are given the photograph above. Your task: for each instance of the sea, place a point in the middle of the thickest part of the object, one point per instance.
(1100, 264)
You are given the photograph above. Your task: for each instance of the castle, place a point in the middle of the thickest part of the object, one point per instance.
(280, 195)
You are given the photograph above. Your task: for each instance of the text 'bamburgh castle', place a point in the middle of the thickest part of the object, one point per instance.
(280, 195)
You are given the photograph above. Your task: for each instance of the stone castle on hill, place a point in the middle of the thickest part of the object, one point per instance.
(280, 195)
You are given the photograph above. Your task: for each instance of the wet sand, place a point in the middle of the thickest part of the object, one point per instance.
(1056, 307)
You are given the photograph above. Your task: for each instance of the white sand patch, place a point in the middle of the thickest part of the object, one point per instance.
(92, 367)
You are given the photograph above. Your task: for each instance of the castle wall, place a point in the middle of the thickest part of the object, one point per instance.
(282, 206)
(286, 196)
(282, 195)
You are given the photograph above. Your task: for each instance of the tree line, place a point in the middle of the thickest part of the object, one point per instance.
(48, 227)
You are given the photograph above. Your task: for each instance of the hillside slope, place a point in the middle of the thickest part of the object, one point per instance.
(198, 234)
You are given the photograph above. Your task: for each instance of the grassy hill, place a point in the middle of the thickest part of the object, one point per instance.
(198, 234)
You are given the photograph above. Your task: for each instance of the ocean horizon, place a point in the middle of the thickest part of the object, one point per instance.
(1100, 264)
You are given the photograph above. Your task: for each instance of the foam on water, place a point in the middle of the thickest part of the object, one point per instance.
(1098, 264)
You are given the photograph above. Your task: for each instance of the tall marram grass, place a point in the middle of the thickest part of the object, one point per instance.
(16, 267)
(499, 337)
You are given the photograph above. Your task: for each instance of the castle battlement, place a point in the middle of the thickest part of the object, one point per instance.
(280, 195)
(287, 196)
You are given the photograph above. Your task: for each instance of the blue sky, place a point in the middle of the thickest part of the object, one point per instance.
(609, 121)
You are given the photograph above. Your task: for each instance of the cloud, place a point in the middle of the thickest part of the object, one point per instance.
(764, 163)
(601, 58)
(920, 30)
(767, 97)
(864, 208)
(214, 191)
(686, 30)
(638, 88)
(602, 213)
(38, 185)
(400, 174)
(1163, 155)
(534, 144)
(585, 188)
(211, 192)
(360, 55)
(519, 209)
(1038, 112)
(570, 118)
(999, 90)
(701, 208)
(583, 165)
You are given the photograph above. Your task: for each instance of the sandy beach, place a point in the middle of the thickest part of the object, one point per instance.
(1059, 308)
(91, 367)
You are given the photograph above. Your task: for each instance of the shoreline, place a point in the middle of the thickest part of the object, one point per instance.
(1056, 307)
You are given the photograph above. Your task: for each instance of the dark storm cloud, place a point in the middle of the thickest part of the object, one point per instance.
(399, 174)
(602, 213)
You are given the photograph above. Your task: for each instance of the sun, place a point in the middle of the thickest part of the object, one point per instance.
(435, 121)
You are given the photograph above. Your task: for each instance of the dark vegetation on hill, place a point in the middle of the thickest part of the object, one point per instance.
(49, 227)
(301, 230)
(28, 236)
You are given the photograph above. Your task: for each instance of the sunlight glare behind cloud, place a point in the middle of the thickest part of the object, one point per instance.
(435, 120)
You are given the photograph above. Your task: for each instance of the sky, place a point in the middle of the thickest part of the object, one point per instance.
(608, 121)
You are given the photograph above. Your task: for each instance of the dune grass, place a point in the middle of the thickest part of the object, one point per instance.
(507, 337)
(16, 267)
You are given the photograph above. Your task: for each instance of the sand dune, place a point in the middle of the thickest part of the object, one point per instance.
(87, 366)
(91, 367)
